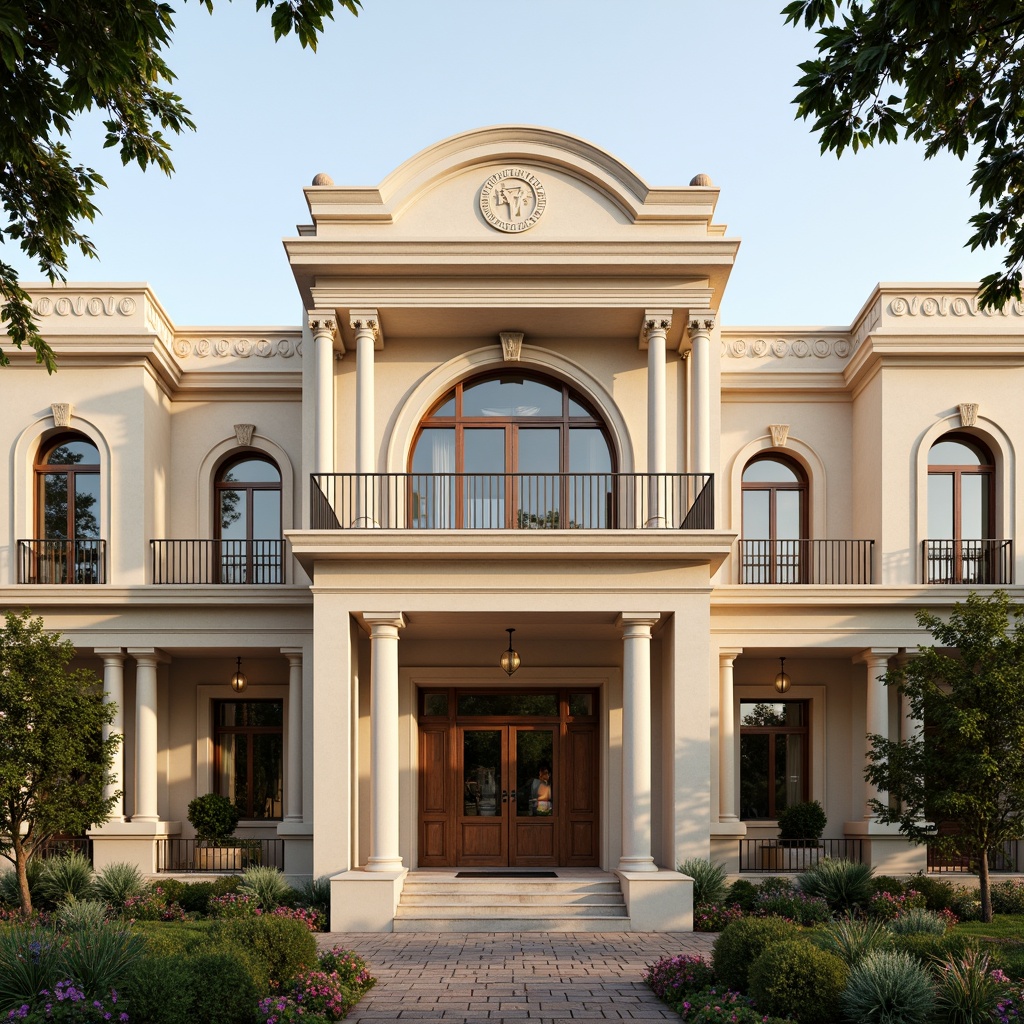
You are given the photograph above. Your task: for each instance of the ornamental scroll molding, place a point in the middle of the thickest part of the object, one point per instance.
(782, 348)
(780, 434)
(61, 412)
(240, 348)
(944, 305)
(968, 414)
(511, 345)
(84, 305)
(243, 433)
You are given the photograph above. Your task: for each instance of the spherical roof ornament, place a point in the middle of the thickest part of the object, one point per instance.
(703, 180)
(322, 179)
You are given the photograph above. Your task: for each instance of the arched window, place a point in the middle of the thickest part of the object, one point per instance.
(774, 520)
(961, 514)
(248, 503)
(512, 450)
(67, 548)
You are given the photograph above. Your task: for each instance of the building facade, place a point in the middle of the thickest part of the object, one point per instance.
(511, 405)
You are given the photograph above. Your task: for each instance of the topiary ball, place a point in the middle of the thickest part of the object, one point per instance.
(742, 942)
(798, 980)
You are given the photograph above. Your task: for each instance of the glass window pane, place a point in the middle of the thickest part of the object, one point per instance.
(581, 705)
(55, 506)
(267, 759)
(539, 450)
(233, 514)
(588, 451)
(252, 471)
(535, 796)
(787, 515)
(940, 506)
(447, 407)
(955, 453)
(432, 497)
(484, 487)
(508, 704)
(87, 505)
(73, 453)
(266, 514)
(756, 515)
(511, 396)
(539, 486)
(789, 771)
(754, 776)
(481, 771)
(435, 704)
(763, 713)
(973, 506)
(232, 782)
(769, 471)
(577, 408)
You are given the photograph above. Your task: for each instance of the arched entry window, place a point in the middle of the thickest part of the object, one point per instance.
(512, 450)
(961, 514)
(774, 520)
(67, 548)
(248, 503)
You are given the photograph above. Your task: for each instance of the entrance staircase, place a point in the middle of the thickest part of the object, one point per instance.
(573, 902)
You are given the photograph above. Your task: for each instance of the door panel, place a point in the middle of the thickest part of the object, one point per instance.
(437, 834)
(483, 823)
(536, 813)
(580, 770)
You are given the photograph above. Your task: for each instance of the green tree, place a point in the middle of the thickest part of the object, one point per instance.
(59, 59)
(948, 73)
(966, 769)
(54, 762)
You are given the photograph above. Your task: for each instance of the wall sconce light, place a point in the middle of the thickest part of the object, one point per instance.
(782, 681)
(510, 659)
(238, 680)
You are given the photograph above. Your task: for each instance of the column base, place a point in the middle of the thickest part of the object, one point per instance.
(384, 864)
(637, 864)
(658, 901)
(134, 842)
(364, 901)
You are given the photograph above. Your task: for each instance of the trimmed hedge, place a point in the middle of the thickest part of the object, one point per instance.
(798, 980)
(743, 942)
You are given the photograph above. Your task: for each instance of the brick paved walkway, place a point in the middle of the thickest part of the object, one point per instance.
(539, 978)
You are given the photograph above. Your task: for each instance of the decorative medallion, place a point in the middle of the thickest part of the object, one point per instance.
(512, 200)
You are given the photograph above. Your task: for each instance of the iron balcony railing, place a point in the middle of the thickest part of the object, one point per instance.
(975, 562)
(512, 501)
(217, 561)
(1006, 859)
(188, 855)
(793, 855)
(836, 562)
(72, 560)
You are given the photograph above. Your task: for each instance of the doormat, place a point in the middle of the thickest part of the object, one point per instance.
(506, 874)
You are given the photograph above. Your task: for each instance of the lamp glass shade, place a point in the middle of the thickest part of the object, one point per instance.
(239, 680)
(510, 661)
(782, 681)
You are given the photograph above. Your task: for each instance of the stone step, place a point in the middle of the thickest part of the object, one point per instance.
(445, 909)
(512, 924)
(480, 898)
(507, 885)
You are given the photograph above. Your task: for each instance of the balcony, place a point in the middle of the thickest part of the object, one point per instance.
(971, 562)
(217, 561)
(77, 560)
(835, 562)
(512, 501)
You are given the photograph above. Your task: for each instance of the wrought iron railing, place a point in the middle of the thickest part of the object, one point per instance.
(793, 855)
(836, 562)
(61, 846)
(193, 855)
(512, 501)
(975, 562)
(1007, 859)
(74, 560)
(217, 561)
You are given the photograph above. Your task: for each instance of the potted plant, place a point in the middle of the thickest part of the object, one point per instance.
(215, 819)
(800, 829)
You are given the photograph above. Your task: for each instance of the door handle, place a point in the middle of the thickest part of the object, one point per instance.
(504, 796)
(513, 794)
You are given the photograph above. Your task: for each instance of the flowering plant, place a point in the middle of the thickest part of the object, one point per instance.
(713, 917)
(310, 994)
(312, 919)
(673, 976)
(233, 904)
(68, 1003)
(720, 1006)
(350, 968)
(887, 906)
(152, 906)
(793, 906)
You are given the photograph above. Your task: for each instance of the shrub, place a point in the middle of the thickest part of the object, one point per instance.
(795, 906)
(842, 884)
(802, 824)
(222, 990)
(117, 883)
(195, 897)
(796, 979)
(68, 1002)
(1008, 896)
(716, 1005)
(310, 918)
(76, 914)
(851, 939)
(274, 948)
(213, 817)
(743, 942)
(888, 987)
(10, 896)
(184, 939)
(99, 959)
(775, 884)
(675, 976)
(155, 991)
(265, 885)
(890, 884)
(967, 992)
(917, 921)
(742, 893)
(151, 905)
(28, 963)
(316, 993)
(68, 877)
(352, 969)
(931, 949)
(966, 903)
(713, 917)
(233, 905)
(887, 906)
(938, 893)
(315, 893)
(708, 879)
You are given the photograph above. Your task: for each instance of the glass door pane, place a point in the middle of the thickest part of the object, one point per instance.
(538, 458)
(483, 460)
(482, 772)
(535, 796)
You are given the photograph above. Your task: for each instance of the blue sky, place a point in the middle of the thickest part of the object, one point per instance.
(670, 87)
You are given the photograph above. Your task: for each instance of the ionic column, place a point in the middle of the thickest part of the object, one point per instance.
(727, 736)
(636, 740)
(701, 324)
(655, 329)
(325, 331)
(293, 769)
(876, 717)
(365, 323)
(384, 811)
(146, 661)
(113, 693)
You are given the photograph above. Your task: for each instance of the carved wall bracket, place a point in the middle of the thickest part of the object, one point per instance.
(968, 414)
(511, 345)
(61, 412)
(243, 433)
(780, 434)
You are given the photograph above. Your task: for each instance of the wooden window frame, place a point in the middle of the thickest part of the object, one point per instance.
(772, 731)
(249, 731)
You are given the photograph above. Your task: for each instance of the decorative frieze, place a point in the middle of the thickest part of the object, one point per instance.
(945, 305)
(968, 414)
(61, 412)
(243, 433)
(241, 348)
(511, 345)
(84, 305)
(780, 434)
(781, 348)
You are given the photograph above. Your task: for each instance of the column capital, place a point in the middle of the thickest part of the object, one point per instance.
(629, 621)
(109, 652)
(323, 325)
(873, 655)
(700, 322)
(367, 322)
(381, 623)
(728, 654)
(293, 654)
(149, 655)
(656, 323)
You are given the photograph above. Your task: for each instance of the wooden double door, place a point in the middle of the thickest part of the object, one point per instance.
(512, 789)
